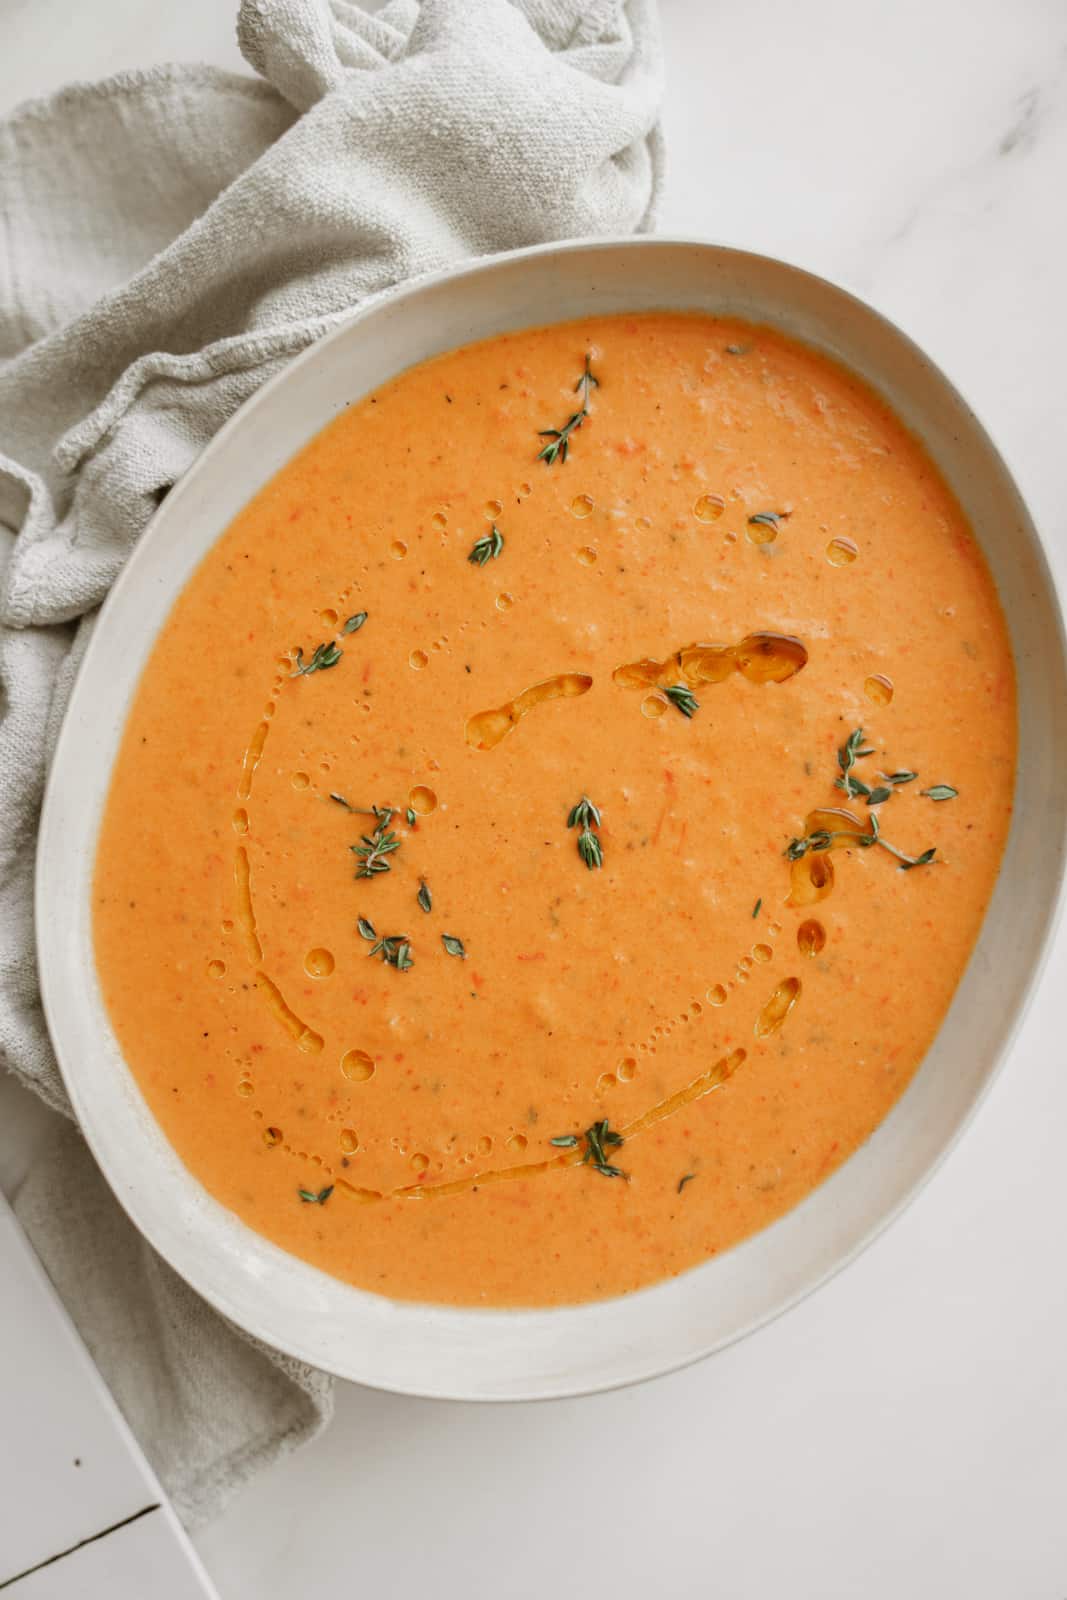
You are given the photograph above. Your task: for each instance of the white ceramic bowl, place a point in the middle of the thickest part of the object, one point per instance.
(475, 1354)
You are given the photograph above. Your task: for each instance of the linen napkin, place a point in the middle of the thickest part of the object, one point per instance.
(168, 239)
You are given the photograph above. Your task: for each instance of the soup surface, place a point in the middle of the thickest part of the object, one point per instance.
(554, 819)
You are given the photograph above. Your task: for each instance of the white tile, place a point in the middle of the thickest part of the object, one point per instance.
(69, 1467)
(137, 1561)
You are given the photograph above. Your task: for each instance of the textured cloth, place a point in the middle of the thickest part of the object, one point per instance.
(168, 239)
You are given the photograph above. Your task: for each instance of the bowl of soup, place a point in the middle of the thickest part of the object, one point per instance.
(557, 821)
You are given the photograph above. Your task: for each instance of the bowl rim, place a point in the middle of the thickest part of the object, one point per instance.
(49, 963)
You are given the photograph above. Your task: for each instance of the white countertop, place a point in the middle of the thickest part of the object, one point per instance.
(904, 1432)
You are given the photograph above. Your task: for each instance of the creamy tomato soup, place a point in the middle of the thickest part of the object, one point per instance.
(556, 815)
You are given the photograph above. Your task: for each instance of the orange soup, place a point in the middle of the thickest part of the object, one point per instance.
(556, 815)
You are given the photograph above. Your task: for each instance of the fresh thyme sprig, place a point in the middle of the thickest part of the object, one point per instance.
(586, 816)
(598, 1140)
(559, 438)
(373, 848)
(847, 756)
(685, 700)
(328, 654)
(823, 838)
(394, 948)
(325, 655)
(487, 548)
(852, 751)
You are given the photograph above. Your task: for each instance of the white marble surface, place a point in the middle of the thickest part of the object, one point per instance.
(904, 1432)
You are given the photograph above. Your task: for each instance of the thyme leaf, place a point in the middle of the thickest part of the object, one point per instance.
(850, 752)
(395, 951)
(684, 699)
(686, 1177)
(940, 791)
(586, 816)
(590, 849)
(599, 1139)
(487, 548)
(425, 898)
(373, 848)
(310, 1198)
(366, 929)
(326, 655)
(454, 946)
(756, 908)
(768, 519)
(355, 622)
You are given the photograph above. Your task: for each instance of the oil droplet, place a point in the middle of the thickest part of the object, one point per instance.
(841, 552)
(517, 1143)
(525, 488)
(717, 996)
(227, 925)
(348, 1140)
(581, 506)
(485, 1145)
(319, 963)
(486, 728)
(357, 1066)
(328, 618)
(310, 1042)
(439, 519)
(653, 705)
(811, 937)
(709, 508)
(627, 1070)
(419, 1162)
(240, 820)
(761, 532)
(493, 508)
(245, 1089)
(417, 660)
(300, 780)
(762, 952)
(643, 524)
(398, 549)
(745, 963)
(505, 601)
(271, 1137)
(422, 800)
(879, 689)
(810, 879)
(215, 969)
(586, 555)
(778, 1007)
(607, 1080)
(696, 1009)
